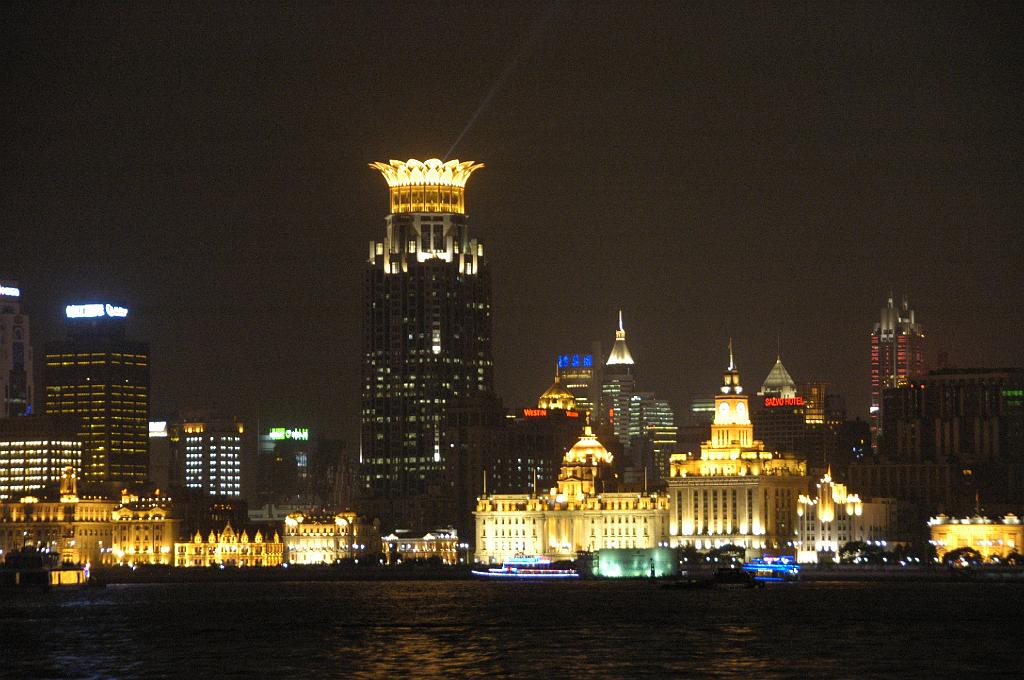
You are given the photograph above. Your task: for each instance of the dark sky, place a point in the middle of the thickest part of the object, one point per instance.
(770, 170)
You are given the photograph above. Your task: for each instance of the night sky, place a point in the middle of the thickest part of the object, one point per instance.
(768, 171)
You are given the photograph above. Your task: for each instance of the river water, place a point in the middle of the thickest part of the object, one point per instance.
(586, 629)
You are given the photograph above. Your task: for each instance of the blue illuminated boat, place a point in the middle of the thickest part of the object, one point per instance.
(527, 567)
(773, 569)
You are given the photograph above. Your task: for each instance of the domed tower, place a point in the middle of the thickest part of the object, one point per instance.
(583, 466)
(557, 397)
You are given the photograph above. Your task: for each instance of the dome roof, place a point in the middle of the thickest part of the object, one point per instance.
(557, 397)
(587, 451)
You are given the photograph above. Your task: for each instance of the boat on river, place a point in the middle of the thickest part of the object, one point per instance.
(41, 569)
(773, 569)
(527, 567)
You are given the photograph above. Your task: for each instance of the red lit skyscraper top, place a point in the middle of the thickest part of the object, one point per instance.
(897, 355)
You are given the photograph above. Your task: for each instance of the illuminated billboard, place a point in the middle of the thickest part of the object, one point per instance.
(95, 310)
(300, 434)
(158, 428)
(10, 291)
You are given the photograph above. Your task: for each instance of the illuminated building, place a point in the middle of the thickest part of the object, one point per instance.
(426, 344)
(577, 515)
(582, 376)
(792, 417)
(618, 387)
(213, 454)
(897, 356)
(990, 538)
(143, 530)
(103, 378)
(35, 451)
(136, 530)
(442, 544)
(736, 492)
(325, 539)
(835, 517)
(78, 528)
(652, 435)
(230, 549)
(16, 381)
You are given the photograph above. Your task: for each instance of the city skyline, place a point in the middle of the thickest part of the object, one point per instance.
(723, 192)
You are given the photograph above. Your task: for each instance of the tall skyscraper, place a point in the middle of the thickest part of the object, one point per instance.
(102, 377)
(16, 388)
(897, 356)
(426, 344)
(618, 387)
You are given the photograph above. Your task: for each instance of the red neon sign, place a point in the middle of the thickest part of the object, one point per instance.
(775, 402)
(535, 412)
(572, 414)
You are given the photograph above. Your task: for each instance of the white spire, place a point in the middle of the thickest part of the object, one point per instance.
(620, 352)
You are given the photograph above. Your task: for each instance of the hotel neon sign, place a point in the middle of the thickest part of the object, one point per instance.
(543, 413)
(776, 402)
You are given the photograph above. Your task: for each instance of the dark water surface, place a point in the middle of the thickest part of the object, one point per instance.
(539, 630)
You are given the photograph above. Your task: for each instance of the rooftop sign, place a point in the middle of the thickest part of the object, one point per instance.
(95, 310)
(775, 402)
(300, 434)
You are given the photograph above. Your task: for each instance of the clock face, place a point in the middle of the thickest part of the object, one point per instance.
(723, 411)
(741, 411)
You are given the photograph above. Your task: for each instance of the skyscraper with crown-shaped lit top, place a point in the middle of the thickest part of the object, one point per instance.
(426, 346)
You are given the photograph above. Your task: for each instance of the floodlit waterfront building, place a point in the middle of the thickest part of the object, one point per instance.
(835, 517)
(578, 515)
(230, 549)
(324, 539)
(402, 545)
(989, 537)
(97, 530)
(736, 492)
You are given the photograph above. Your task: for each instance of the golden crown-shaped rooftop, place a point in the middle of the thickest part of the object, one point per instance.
(430, 186)
(431, 172)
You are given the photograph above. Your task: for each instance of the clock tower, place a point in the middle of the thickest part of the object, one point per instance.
(732, 426)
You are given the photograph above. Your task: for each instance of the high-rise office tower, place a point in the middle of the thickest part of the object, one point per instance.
(35, 452)
(213, 453)
(618, 387)
(897, 356)
(426, 345)
(15, 354)
(102, 377)
(581, 375)
(653, 434)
